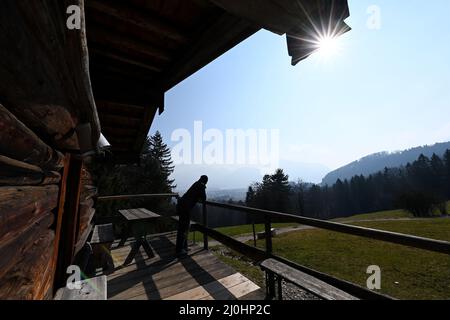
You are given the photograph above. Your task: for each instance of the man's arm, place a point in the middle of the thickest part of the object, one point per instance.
(203, 194)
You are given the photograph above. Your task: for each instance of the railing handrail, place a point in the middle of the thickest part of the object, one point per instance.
(137, 196)
(440, 246)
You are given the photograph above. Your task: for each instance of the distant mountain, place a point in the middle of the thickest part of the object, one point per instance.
(227, 177)
(225, 195)
(378, 161)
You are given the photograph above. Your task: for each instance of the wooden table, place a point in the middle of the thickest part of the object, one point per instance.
(138, 220)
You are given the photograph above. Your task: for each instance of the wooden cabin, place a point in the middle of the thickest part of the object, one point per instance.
(63, 88)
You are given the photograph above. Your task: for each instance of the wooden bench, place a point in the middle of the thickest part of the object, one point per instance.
(276, 269)
(91, 289)
(101, 242)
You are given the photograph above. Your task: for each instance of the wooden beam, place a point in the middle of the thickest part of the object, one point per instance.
(146, 123)
(139, 18)
(119, 73)
(70, 220)
(18, 142)
(216, 39)
(115, 108)
(59, 220)
(137, 196)
(120, 121)
(117, 56)
(22, 206)
(99, 35)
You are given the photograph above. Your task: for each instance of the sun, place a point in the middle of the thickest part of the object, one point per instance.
(327, 46)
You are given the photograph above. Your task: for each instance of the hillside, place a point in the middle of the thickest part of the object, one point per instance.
(378, 161)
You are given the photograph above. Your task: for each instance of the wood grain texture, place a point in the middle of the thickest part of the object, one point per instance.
(305, 281)
(18, 173)
(44, 73)
(138, 214)
(17, 249)
(18, 142)
(26, 279)
(198, 275)
(22, 206)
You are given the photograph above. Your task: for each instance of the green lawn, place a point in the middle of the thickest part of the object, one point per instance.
(243, 230)
(407, 273)
(390, 214)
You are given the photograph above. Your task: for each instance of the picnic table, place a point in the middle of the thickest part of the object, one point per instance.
(137, 222)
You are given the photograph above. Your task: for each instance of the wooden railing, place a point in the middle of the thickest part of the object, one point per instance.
(137, 196)
(257, 254)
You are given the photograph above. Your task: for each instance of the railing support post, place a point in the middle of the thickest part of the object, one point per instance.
(268, 235)
(254, 234)
(205, 223)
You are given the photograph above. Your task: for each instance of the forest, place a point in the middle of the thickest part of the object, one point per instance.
(421, 187)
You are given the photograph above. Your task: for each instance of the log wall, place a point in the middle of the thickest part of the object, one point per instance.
(46, 97)
(30, 184)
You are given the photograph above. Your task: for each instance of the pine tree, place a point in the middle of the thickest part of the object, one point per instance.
(447, 171)
(160, 152)
(250, 197)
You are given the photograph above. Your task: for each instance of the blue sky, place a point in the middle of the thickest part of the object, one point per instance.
(386, 89)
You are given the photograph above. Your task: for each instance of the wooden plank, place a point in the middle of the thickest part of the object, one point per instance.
(59, 218)
(187, 283)
(136, 196)
(230, 287)
(138, 214)
(119, 42)
(121, 57)
(305, 281)
(139, 18)
(162, 281)
(70, 220)
(223, 34)
(20, 207)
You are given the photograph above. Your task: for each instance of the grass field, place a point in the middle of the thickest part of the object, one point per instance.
(390, 214)
(406, 273)
(244, 229)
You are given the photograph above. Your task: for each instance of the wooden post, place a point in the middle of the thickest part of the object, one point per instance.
(70, 220)
(59, 219)
(254, 234)
(205, 223)
(268, 235)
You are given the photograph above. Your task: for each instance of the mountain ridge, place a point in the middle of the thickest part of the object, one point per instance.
(378, 161)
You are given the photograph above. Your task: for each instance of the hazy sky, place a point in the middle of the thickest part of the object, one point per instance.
(386, 89)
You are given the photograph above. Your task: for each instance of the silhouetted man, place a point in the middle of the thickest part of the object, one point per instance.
(196, 193)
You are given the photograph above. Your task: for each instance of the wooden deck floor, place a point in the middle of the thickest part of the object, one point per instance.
(197, 276)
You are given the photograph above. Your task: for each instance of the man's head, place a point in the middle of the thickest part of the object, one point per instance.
(204, 179)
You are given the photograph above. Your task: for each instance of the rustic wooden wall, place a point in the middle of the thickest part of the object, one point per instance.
(30, 173)
(45, 97)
